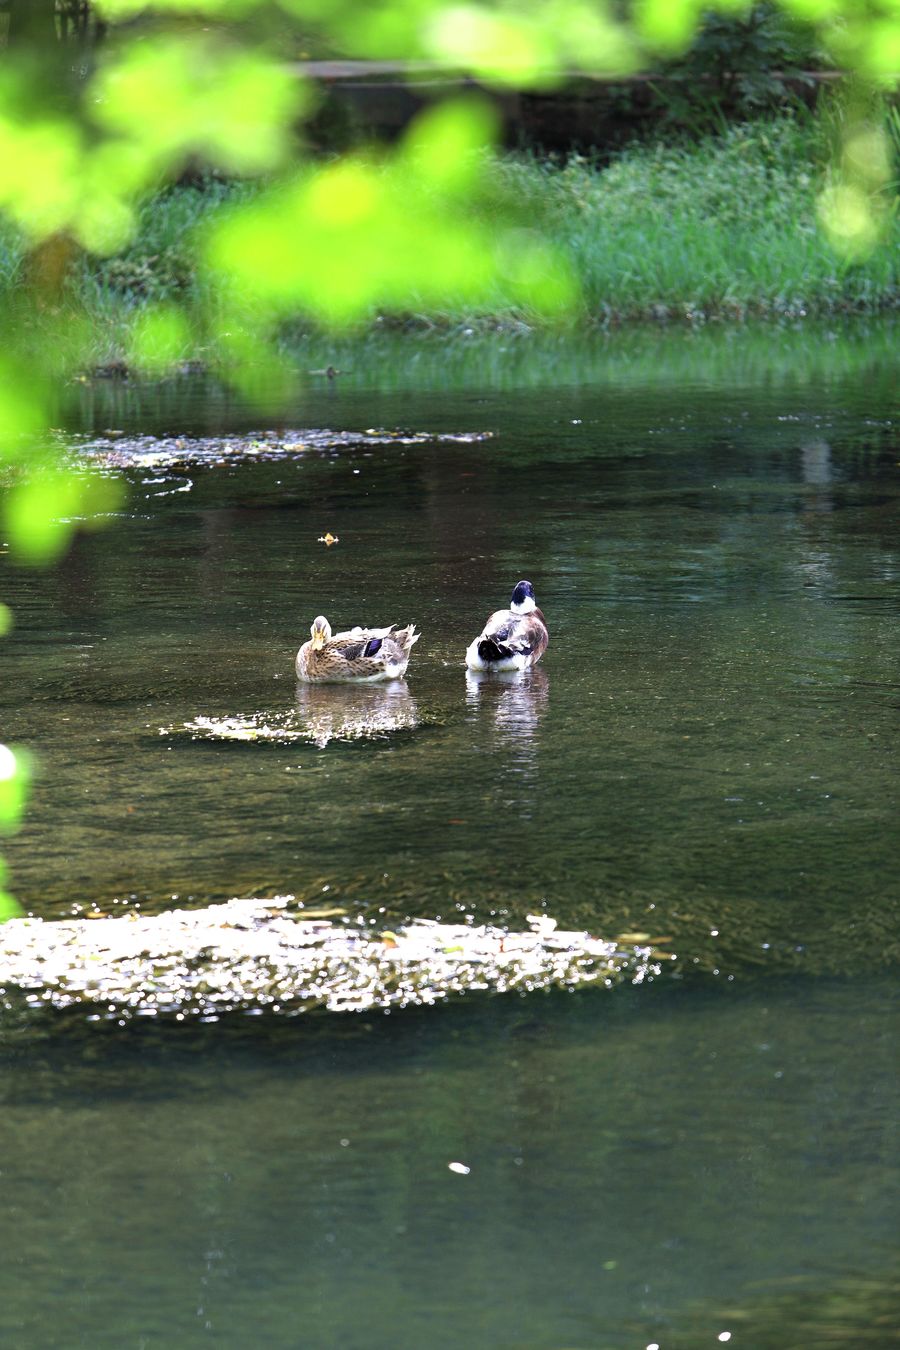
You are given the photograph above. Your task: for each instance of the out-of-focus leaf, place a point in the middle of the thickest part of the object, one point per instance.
(9, 907)
(667, 25)
(160, 338)
(880, 49)
(508, 42)
(41, 511)
(6, 619)
(503, 47)
(536, 44)
(445, 145)
(223, 9)
(40, 163)
(15, 776)
(347, 238)
(52, 180)
(180, 95)
(22, 408)
(854, 206)
(846, 214)
(866, 156)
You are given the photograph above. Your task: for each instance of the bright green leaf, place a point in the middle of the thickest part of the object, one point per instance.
(177, 96)
(160, 338)
(9, 907)
(22, 410)
(668, 25)
(503, 47)
(15, 776)
(42, 510)
(445, 145)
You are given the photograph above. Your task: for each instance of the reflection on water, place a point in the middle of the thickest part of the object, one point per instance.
(716, 767)
(351, 711)
(507, 709)
(716, 756)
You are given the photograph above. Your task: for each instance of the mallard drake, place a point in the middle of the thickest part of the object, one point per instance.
(512, 639)
(360, 654)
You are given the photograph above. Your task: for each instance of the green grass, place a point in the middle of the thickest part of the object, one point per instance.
(724, 227)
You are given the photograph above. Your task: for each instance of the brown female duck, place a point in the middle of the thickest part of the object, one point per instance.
(360, 654)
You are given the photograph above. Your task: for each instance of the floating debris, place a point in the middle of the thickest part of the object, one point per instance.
(266, 955)
(187, 452)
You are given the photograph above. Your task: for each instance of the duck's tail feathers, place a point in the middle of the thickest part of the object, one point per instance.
(489, 649)
(406, 637)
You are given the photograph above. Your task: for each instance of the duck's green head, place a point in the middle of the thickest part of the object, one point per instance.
(320, 632)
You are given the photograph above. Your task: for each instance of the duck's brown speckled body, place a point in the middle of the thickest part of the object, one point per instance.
(359, 654)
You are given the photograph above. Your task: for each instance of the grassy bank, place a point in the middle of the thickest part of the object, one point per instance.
(727, 227)
(721, 228)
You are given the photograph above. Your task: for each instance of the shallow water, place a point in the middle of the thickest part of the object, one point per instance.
(634, 1159)
(708, 744)
(706, 756)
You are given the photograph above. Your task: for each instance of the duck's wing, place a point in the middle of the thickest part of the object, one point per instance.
(403, 638)
(387, 645)
(358, 644)
(517, 634)
(358, 632)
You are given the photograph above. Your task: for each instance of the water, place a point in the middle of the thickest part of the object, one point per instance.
(706, 756)
(708, 745)
(637, 1162)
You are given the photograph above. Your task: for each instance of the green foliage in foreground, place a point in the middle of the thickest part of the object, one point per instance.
(726, 227)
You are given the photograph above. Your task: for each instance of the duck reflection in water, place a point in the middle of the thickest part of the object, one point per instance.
(515, 704)
(351, 712)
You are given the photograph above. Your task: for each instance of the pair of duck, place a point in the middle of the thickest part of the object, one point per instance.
(512, 639)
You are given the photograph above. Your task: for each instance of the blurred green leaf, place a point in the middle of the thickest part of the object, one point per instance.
(534, 44)
(40, 167)
(666, 25)
(42, 510)
(225, 9)
(6, 620)
(189, 94)
(160, 338)
(15, 776)
(880, 50)
(446, 145)
(9, 907)
(502, 47)
(23, 411)
(348, 238)
(855, 205)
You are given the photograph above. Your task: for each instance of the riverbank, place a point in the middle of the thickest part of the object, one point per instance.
(723, 228)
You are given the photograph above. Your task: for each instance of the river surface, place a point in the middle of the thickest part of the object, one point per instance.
(706, 756)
